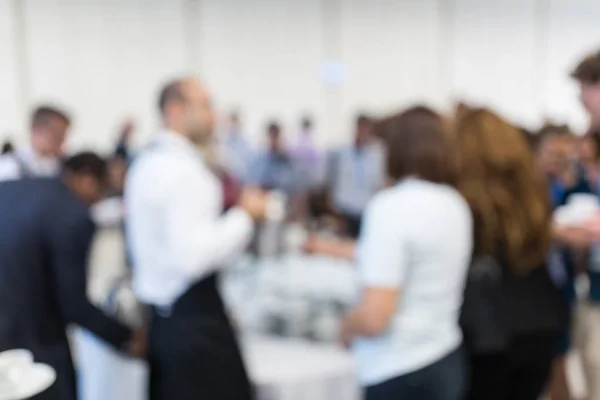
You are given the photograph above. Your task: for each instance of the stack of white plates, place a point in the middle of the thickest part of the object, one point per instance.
(21, 378)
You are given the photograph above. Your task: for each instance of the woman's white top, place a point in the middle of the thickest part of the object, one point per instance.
(416, 238)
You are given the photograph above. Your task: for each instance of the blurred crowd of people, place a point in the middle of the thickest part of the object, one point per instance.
(467, 280)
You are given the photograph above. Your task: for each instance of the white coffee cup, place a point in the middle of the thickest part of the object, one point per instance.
(14, 364)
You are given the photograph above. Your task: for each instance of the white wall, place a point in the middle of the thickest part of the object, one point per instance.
(9, 79)
(263, 57)
(105, 60)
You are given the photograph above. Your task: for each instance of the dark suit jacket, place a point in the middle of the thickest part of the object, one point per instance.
(45, 236)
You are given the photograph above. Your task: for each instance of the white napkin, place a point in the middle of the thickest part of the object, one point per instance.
(21, 378)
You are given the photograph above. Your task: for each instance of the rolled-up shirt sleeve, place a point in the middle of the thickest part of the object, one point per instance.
(199, 238)
(381, 252)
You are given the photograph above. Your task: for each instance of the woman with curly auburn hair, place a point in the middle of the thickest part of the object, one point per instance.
(513, 313)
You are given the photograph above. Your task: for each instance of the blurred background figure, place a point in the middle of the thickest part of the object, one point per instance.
(555, 152)
(306, 154)
(42, 157)
(274, 168)
(117, 169)
(7, 148)
(513, 313)
(237, 154)
(123, 148)
(554, 148)
(587, 73)
(109, 286)
(354, 174)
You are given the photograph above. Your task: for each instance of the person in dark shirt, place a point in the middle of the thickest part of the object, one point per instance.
(45, 237)
(554, 149)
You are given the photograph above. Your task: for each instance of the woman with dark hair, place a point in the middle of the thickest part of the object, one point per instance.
(412, 255)
(513, 313)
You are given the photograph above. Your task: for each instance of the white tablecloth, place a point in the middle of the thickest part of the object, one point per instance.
(297, 370)
(280, 370)
(297, 296)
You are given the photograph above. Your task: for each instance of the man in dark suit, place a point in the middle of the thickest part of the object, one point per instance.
(45, 236)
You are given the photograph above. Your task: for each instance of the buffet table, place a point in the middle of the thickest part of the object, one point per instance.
(280, 369)
(287, 309)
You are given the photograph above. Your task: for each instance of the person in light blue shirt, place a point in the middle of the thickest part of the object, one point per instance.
(237, 154)
(275, 168)
(306, 155)
(355, 173)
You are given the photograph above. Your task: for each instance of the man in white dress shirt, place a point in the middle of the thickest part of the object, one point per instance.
(179, 238)
(42, 158)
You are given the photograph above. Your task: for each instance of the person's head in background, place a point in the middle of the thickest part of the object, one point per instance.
(418, 146)
(588, 149)
(306, 125)
(116, 173)
(363, 130)
(186, 108)
(275, 141)
(508, 196)
(553, 147)
(587, 73)
(49, 127)
(233, 123)
(85, 174)
(7, 148)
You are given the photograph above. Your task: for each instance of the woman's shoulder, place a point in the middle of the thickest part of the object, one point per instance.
(413, 195)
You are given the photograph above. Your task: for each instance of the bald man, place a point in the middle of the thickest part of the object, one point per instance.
(179, 239)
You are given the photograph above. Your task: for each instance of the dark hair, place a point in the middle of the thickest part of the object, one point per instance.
(306, 122)
(588, 69)
(7, 148)
(43, 114)
(363, 119)
(87, 163)
(418, 145)
(595, 140)
(172, 91)
(273, 128)
(535, 139)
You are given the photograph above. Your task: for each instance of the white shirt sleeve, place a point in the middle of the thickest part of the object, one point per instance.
(9, 169)
(382, 246)
(198, 237)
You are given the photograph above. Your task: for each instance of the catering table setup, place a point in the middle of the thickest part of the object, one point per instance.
(292, 296)
(286, 307)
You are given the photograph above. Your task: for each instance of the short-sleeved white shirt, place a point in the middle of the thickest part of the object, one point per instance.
(417, 238)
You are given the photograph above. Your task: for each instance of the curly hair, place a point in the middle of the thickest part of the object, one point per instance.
(507, 194)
